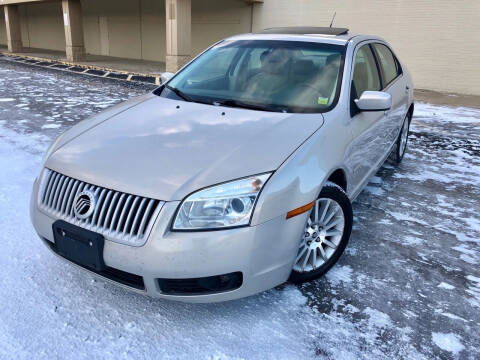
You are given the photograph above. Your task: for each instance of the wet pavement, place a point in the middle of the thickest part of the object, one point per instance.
(408, 285)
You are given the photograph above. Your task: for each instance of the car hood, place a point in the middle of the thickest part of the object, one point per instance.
(165, 149)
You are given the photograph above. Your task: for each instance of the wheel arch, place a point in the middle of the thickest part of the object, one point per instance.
(410, 111)
(339, 177)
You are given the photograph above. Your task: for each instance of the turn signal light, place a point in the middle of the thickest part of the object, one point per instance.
(300, 210)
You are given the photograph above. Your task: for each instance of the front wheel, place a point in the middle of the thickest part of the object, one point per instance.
(325, 236)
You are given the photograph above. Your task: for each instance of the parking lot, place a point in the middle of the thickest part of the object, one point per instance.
(408, 286)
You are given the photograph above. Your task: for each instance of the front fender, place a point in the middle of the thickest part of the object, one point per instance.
(302, 176)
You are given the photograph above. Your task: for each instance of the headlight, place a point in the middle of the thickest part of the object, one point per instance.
(221, 206)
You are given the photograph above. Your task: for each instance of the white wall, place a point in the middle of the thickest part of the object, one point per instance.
(3, 30)
(438, 40)
(122, 26)
(136, 28)
(132, 28)
(213, 20)
(42, 25)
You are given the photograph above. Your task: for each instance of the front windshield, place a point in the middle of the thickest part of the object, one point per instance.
(270, 75)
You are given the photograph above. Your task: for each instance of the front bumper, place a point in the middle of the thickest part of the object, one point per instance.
(264, 254)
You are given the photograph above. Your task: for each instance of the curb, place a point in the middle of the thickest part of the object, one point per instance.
(84, 69)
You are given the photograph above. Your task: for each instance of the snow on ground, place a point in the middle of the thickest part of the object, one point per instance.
(448, 342)
(408, 285)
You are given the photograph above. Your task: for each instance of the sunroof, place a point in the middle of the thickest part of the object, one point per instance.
(305, 30)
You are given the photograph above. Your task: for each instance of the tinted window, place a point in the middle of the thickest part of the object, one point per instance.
(217, 66)
(388, 63)
(264, 74)
(365, 72)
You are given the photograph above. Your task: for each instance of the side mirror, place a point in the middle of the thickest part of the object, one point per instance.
(165, 77)
(374, 101)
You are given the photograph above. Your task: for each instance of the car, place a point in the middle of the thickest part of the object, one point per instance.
(237, 174)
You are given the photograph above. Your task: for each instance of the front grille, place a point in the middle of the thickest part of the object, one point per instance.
(120, 217)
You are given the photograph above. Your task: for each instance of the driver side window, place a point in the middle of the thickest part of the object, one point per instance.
(365, 72)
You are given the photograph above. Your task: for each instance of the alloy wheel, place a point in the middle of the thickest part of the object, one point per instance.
(322, 235)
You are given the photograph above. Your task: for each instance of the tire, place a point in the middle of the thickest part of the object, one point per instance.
(401, 147)
(327, 256)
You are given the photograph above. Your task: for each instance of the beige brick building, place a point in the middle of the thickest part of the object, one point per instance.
(439, 40)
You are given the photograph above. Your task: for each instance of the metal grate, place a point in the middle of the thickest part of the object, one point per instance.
(118, 216)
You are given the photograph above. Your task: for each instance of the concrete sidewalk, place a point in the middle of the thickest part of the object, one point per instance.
(108, 63)
(450, 99)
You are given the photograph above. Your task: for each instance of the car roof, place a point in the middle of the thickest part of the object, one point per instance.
(327, 35)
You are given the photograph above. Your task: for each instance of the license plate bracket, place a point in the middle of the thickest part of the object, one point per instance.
(81, 246)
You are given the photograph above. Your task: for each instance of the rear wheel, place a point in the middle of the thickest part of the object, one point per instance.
(402, 140)
(325, 236)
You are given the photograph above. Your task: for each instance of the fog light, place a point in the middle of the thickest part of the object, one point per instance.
(201, 286)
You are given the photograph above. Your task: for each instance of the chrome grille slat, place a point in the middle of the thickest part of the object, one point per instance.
(116, 214)
(143, 224)
(99, 207)
(53, 190)
(137, 216)
(81, 187)
(107, 222)
(65, 198)
(71, 197)
(61, 187)
(120, 217)
(104, 208)
(126, 227)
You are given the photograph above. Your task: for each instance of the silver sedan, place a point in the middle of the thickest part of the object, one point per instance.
(234, 176)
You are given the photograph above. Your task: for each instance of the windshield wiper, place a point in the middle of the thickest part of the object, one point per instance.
(179, 93)
(247, 105)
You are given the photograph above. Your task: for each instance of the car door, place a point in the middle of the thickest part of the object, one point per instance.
(367, 127)
(396, 85)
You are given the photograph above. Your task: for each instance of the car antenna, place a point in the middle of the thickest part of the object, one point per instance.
(333, 18)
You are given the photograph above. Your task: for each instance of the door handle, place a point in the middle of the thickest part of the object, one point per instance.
(407, 89)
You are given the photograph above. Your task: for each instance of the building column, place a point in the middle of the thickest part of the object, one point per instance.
(14, 34)
(179, 33)
(73, 23)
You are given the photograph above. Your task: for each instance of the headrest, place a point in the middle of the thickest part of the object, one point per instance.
(360, 71)
(304, 67)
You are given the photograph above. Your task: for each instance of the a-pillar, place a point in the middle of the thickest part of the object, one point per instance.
(73, 23)
(179, 33)
(14, 35)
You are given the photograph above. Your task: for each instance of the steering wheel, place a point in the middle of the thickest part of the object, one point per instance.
(309, 90)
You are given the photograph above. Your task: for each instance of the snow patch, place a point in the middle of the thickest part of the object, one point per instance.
(449, 315)
(374, 190)
(445, 286)
(51, 126)
(411, 240)
(339, 274)
(449, 342)
(377, 318)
